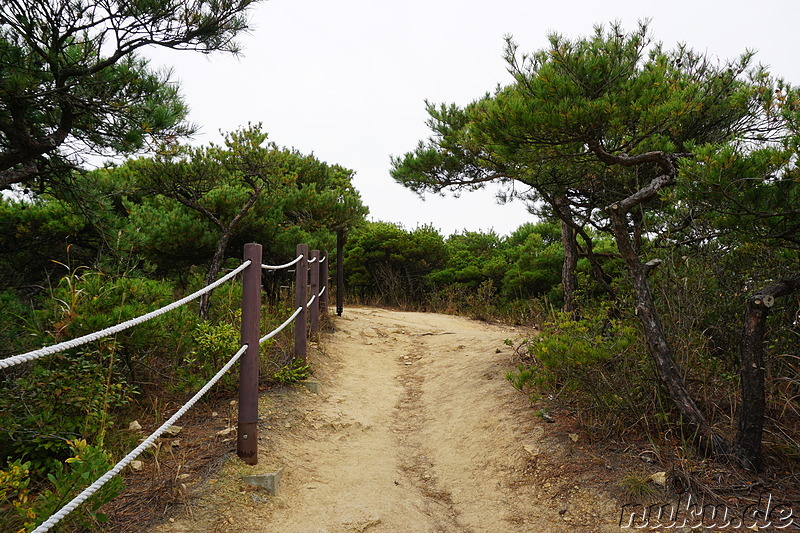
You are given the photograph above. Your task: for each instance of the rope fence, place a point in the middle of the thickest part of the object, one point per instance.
(313, 264)
(279, 267)
(79, 341)
(125, 461)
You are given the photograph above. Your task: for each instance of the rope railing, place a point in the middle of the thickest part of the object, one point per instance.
(85, 339)
(125, 461)
(281, 327)
(247, 354)
(278, 267)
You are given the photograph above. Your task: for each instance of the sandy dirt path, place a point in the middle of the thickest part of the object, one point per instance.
(414, 429)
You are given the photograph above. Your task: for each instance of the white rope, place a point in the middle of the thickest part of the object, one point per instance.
(94, 487)
(324, 258)
(280, 328)
(313, 260)
(311, 301)
(49, 350)
(278, 267)
(322, 291)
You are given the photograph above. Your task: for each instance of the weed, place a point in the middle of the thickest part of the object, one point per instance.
(639, 487)
(296, 371)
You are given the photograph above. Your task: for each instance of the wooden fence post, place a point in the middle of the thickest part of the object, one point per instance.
(315, 255)
(323, 283)
(301, 291)
(247, 429)
(339, 270)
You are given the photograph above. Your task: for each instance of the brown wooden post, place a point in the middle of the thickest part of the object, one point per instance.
(323, 283)
(339, 270)
(301, 290)
(247, 429)
(314, 256)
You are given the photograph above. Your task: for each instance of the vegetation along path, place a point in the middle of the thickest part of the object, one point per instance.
(414, 429)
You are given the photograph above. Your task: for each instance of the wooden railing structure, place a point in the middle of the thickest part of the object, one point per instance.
(311, 278)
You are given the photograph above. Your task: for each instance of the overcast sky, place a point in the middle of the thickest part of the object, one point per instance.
(347, 79)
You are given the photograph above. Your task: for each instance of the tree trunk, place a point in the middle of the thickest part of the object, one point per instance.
(227, 231)
(668, 371)
(747, 444)
(569, 278)
(213, 271)
(598, 273)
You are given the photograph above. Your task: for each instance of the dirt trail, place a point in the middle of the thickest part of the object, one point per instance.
(414, 429)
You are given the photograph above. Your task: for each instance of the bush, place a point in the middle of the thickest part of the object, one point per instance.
(22, 511)
(59, 399)
(598, 365)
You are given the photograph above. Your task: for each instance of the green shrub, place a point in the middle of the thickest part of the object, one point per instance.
(296, 371)
(213, 344)
(58, 399)
(596, 364)
(21, 510)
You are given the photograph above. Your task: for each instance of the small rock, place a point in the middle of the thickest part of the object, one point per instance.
(311, 385)
(175, 443)
(135, 426)
(136, 465)
(532, 449)
(214, 414)
(573, 437)
(659, 478)
(172, 431)
(269, 482)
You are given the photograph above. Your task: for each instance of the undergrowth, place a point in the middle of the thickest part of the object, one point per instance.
(62, 415)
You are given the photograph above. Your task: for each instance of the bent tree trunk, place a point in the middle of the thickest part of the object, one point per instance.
(569, 277)
(213, 271)
(747, 444)
(668, 371)
(222, 244)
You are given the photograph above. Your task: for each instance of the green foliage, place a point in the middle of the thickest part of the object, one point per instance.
(390, 264)
(472, 259)
(207, 202)
(13, 332)
(62, 398)
(295, 371)
(473, 273)
(22, 510)
(16, 511)
(534, 258)
(639, 487)
(213, 345)
(592, 363)
(68, 89)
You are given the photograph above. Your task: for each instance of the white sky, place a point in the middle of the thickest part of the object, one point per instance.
(347, 79)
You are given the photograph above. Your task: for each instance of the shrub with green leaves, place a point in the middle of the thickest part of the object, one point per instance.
(21, 510)
(59, 399)
(594, 363)
(213, 345)
(296, 371)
